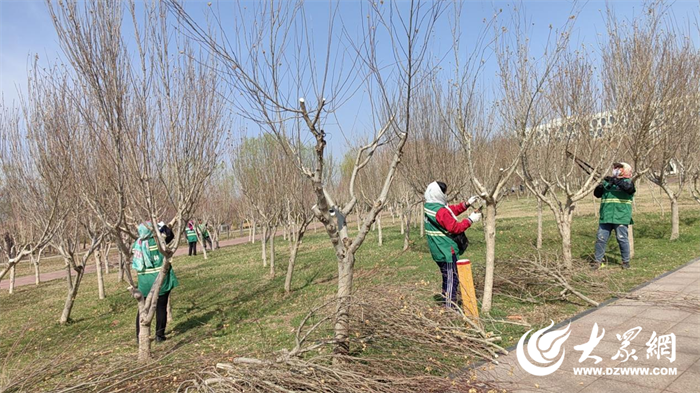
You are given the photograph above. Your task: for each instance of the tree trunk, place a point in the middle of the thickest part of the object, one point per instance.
(359, 221)
(264, 245)
(675, 223)
(144, 339)
(105, 259)
(403, 230)
(273, 232)
(37, 278)
(379, 230)
(294, 247)
(100, 280)
(630, 236)
(539, 224)
(216, 238)
(252, 238)
(200, 239)
(490, 238)
(421, 217)
(343, 300)
(565, 232)
(121, 267)
(407, 230)
(12, 279)
(170, 308)
(72, 293)
(69, 277)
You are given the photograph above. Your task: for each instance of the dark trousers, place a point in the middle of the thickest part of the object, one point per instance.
(193, 248)
(161, 316)
(450, 282)
(208, 240)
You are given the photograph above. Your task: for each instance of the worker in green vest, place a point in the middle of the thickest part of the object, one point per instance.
(147, 262)
(205, 236)
(191, 235)
(616, 193)
(445, 234)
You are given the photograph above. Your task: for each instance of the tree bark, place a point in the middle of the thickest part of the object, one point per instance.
(170, 308)
(100, 279)
(403, 229)
(72, 294)
(69, 277)
(121, 267)
(407, 231)
(343, 299)
(144, 339)
(105, 258)
(490, 238)
(37, 277)
(294, 247)
(564, 225)
(264, 245)
(421, 217)
(379, 230)
(12, 280)
(539, 224)
(252, 237)
(630, 236)
(675, 220)
(273, 232)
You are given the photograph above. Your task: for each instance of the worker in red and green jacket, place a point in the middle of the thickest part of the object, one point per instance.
(445, 234)
(616, 193)
(191, 235)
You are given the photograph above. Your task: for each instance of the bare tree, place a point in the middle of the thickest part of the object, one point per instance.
(571, 151)
(494, 140)
(280, 40)
(160, 125)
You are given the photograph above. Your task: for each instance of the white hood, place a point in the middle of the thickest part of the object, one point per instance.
(433, 194)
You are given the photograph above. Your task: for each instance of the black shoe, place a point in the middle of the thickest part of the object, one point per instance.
(160, 339)
(625, 265)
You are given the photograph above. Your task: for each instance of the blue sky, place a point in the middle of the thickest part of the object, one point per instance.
(26, 31)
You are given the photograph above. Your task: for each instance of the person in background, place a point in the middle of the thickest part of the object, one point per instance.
(147, 263)
(191, 235)
(166, 231)
(205, 236)
(616, 193)
(444, 232)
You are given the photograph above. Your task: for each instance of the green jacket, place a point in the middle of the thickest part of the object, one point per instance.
(203, 230)
(616, 196)
(148, 276)
(191, 235)
(439, 241)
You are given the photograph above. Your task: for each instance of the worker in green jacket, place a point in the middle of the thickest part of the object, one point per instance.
(191, 235)
(205, 236)
(147, 262)
(616, 193)
(445, 234)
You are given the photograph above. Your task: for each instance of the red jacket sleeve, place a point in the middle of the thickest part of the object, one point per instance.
(458, 209)
(447, 221)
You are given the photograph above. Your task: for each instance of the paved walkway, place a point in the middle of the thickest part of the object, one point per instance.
(668, 305)
(91, 268)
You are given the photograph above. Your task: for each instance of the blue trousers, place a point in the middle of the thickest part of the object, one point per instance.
(601, 243)
(450, 282)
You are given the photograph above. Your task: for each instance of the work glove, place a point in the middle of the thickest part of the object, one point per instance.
(472, 199)
(474, 217)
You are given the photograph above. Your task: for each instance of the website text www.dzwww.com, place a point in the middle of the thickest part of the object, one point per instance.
(625, 371)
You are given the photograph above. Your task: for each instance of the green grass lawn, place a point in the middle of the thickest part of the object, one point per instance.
(229, 306)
